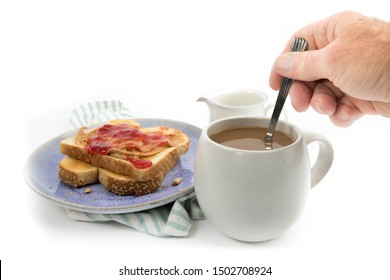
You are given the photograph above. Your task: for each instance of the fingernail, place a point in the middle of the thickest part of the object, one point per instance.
(343, 116)
(283, 63)
(318, 108)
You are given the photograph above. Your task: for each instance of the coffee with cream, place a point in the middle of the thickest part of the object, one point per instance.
(250, 138)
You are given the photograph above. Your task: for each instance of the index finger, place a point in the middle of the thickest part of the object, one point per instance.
(316, 34)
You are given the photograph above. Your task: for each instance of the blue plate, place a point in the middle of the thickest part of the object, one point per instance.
(41, 174)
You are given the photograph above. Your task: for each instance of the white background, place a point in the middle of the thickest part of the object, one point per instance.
(157, 57)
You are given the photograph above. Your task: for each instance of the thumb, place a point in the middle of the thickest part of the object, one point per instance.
(303, 66)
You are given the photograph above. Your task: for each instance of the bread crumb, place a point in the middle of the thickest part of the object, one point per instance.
(87, 190)
(177, 181)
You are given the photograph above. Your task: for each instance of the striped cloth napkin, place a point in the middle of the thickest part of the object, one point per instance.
(174, 219)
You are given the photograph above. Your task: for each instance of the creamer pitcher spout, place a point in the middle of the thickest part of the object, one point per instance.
(216, 110)
(235, 102)
(208, 101)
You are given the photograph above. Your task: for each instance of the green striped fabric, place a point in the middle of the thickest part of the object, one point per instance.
(174, 219)
(98, 112)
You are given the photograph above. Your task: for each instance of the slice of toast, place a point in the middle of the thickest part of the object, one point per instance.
(125, 185)
(122, 170)
(77, 173)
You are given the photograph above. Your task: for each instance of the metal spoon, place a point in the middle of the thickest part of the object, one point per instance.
(299, 45)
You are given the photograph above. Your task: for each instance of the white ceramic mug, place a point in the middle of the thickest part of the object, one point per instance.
(256, 195)
(237, 102)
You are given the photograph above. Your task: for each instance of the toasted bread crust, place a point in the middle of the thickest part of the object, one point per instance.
(125, 185)
(77, 173)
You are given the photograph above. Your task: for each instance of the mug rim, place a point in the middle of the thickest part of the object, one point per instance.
(239, 107)
(285, 124)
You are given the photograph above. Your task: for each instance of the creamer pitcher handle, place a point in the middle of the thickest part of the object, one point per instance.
(324, 159)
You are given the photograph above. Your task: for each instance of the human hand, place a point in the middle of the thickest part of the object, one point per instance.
(346, 72)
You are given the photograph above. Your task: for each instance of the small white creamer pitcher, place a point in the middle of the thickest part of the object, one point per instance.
(237, 102)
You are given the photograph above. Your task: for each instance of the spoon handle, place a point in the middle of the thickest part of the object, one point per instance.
(299, 45)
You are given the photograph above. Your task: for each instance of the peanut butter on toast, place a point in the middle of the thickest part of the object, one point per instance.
(131, 160)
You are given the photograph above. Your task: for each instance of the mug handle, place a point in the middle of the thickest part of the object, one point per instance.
(324, 159)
